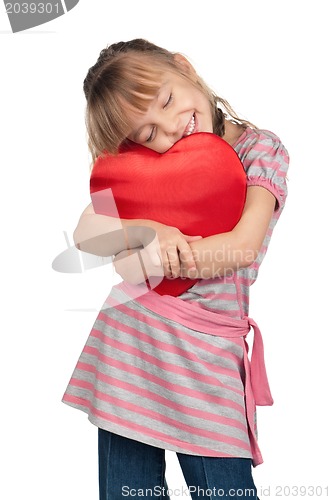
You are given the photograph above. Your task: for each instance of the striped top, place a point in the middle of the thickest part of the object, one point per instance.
(173, 372)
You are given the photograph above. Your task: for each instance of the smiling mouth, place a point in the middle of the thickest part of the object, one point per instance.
(190, 127)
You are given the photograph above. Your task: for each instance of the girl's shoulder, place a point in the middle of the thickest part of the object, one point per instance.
(265, 161)
(260, 144)
(255, 137)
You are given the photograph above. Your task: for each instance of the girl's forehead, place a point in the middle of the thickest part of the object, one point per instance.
(137, 98)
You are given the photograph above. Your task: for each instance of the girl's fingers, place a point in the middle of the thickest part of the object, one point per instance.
(171, 254)
(173, 262)
(192, 238)
(186, 255)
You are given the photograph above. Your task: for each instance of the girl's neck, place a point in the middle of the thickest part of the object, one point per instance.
(232, 132)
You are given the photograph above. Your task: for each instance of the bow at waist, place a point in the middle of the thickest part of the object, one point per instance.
(258, 376)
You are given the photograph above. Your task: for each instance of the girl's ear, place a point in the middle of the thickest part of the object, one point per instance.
(184, 64)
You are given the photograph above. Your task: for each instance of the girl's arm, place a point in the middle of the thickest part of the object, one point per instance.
(222, 253)
(215, 255)
(104, 235)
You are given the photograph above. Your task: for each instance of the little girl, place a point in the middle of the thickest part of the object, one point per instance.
(161, 372)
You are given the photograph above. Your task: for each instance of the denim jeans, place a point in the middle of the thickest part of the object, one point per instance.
(134, 470)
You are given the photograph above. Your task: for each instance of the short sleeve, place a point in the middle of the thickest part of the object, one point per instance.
(266, 164)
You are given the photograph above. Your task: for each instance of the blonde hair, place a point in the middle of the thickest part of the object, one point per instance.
(127, 76)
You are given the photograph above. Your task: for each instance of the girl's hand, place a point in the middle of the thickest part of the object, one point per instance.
(168, 251)
(163, 251)
(128, 264)
(134, 266)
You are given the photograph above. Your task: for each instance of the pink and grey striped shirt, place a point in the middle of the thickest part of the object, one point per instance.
(173, 372)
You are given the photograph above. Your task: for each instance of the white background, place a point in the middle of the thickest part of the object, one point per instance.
(271, 61)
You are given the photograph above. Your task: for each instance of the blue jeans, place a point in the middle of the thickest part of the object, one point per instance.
(134, 470)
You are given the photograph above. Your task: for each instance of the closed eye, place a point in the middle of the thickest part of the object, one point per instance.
(169, 100)
(151, 136)
(153, 130)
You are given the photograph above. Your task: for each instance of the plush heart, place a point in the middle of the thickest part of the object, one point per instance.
(198, 186)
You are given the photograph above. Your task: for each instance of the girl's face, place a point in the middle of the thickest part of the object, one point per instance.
(179, 109)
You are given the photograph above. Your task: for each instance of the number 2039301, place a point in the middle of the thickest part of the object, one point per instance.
(294, 491)
(32, 8)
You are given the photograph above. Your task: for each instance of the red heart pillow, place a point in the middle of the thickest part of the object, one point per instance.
(198, 186)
